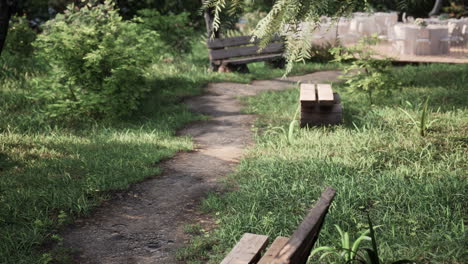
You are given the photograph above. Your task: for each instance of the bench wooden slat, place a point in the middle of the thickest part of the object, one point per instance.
(247, 250)
(228, 42)
(251, 59)
(235, 41)
(320, 120)
(245, 51)
(273, 250)
(307, 94)
(297, 249)
(325, 93)
(322, 110)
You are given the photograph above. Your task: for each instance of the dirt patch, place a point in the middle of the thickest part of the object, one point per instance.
(145, 224)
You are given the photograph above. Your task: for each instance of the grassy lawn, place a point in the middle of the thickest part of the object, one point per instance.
(52, 172)
(414, 187)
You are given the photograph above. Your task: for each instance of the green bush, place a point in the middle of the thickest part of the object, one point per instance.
(20, 38)
(175, 30)
(365, 73)
(97, 63)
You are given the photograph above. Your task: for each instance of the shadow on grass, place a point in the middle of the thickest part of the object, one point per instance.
(64, 177)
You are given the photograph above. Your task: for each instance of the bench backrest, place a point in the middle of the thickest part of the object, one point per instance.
(299, 246)
(234, 47)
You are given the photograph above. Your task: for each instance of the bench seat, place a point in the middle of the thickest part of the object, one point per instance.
(319, 105)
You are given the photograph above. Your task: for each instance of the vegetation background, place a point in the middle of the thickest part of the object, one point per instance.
(84, 113)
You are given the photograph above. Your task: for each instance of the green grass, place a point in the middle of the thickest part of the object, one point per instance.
(51, 173)
(415, 187)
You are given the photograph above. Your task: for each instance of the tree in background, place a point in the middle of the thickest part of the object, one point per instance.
(6, 10)
(436, 9)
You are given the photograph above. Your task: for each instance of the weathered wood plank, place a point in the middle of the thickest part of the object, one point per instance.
(318, 120)
(220, 43)
(251, 59)
(323, 110)
(245, 51)
(325, 93)
(247, 250)
(228, 42)
(273, 250)
(308, 94)
(297, 249)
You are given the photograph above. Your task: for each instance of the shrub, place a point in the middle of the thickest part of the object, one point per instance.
(20, 37)
(16, 61)
(175, 30)
(97, 63)
(366, 73)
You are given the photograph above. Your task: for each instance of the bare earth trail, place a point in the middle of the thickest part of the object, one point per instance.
(146, 224)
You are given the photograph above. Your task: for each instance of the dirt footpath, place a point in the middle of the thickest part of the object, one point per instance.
(145, 225)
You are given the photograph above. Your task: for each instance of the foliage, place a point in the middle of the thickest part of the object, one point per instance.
(423, 124)
(417, 8)
(174, 30)
(456, 9)
(420, 22)
(347, 251)
(249, 21)
(352, 252)
(366, 73)
(20, 37)
(284, 19)
(17, 58)
(97, 63)
(130, 8)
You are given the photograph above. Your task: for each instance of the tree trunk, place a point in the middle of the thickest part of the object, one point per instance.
(436, 9)
(5, 14)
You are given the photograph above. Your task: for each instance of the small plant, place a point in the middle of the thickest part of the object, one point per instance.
(443, 16)
(420, 22)
(294, 123)
(353, 253)
(423, 124)
(365, 73)
(347, 251)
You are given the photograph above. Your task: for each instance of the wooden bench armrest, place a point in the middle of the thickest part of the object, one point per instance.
(299, 246)
(295, 250)
(247, 250)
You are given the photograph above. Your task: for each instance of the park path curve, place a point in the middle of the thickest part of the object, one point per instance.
(145, 224)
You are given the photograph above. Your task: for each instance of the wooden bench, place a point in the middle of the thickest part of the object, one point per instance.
(233, 54)
(319, 105)
(283, 250)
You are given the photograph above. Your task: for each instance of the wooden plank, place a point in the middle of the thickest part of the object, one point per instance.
(228, 42)
(252, 59)
(307, 95)
(245, 51)
(273, 250)
(325, 93)
(320, 120)
(297, 249)
(247, 250)
(323, 110)
(220, 43)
